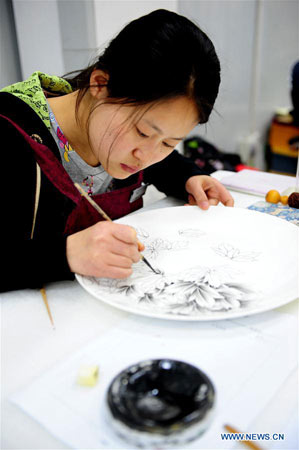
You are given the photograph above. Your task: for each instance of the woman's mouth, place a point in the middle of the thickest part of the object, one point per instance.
(130, 169)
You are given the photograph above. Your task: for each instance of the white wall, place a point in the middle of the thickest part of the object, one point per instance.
(279, 51)
(58, 36)
(10, 70)
(78, 33)
(39, 38)
(257, 43)
(112, 15)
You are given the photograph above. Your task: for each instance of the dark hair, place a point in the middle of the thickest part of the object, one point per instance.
(159, 56)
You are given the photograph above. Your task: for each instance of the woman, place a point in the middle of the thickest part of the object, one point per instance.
(113, 128)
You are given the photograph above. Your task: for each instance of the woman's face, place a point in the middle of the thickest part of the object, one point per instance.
(125, 140)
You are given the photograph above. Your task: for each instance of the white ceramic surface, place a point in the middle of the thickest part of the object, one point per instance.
(217, 264)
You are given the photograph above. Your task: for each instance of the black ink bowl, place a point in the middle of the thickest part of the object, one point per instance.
(160, 403)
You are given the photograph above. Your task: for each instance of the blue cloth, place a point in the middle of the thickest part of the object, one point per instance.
(282, 211)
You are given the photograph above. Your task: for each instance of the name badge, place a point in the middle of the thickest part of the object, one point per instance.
(138, 192)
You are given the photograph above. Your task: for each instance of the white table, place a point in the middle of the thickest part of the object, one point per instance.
(29, 346)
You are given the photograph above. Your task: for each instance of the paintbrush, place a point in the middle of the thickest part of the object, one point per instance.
(249, 444)
(106, 217)
(45, 299)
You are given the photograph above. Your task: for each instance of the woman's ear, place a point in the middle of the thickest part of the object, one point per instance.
(98, 82)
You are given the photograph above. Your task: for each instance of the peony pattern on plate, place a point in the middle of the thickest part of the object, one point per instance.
(196, 291)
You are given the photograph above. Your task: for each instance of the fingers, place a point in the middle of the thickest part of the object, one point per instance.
(124, 233)
(230, 202)
(141, 246)
(195, 187)
(213, 201)
(113, 272)
(104, 250)
(127, 235)
(128, 251)
(223, 195)
(205, 191)
(122, 261)
(201, 201)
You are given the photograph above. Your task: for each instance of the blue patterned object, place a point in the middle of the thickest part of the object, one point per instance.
(283, 211)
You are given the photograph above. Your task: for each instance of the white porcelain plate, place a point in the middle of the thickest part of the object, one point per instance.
(217, 264)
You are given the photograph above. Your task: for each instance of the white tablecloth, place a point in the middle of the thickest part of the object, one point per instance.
(29, 346)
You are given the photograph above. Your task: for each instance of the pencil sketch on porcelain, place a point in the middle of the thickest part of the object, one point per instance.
(215, 264)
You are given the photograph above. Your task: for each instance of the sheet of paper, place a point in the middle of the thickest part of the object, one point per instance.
(248, 360)
(258, 183)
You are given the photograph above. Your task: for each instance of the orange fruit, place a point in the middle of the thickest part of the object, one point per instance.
(284, 199)
(273, 196)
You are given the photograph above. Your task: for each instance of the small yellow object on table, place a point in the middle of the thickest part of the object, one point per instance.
(284, 199)
(88, 375)
(273, 196)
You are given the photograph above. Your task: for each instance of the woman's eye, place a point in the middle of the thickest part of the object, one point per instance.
(167, 145)
(140, 133)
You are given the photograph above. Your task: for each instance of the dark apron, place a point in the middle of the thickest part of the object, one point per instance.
(115, 203)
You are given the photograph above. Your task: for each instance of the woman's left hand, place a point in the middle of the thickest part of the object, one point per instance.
(204, 191)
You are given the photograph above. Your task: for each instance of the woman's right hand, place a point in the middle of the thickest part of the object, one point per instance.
(105, 249)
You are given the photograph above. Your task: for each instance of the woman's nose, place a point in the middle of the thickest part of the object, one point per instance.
(146, 153)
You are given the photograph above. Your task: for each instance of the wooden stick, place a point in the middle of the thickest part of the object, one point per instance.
(106, 217)
(92, 202)
(249, 444)
(45, 299)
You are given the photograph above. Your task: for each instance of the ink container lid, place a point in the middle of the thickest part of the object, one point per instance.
(160, 403)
